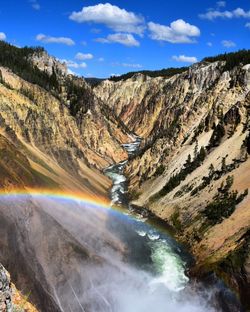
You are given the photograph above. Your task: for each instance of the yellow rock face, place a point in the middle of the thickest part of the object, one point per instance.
(57, 149)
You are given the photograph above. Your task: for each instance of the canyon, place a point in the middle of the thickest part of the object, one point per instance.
(195, 130)
(193, 160)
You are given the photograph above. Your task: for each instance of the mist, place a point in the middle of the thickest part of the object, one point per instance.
(86, 258)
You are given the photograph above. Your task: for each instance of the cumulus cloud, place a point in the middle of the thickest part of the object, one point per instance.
(111, 16)
(2, 36)
(179, 31)
(83, 56)
(248, 25)
(237, 13)
(35, 4)
(49, 39)
(125, 39)
(228, 43)
(185, 59)
(209, 44)
(72, 64)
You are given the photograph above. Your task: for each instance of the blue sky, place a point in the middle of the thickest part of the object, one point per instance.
(99, 39)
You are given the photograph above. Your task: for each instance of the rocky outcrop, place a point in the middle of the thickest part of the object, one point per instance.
(195, 130)
(5, 291)
(48, 63)
(10, 298)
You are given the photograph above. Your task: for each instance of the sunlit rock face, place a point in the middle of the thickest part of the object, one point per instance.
(48, 63)
(69, 151)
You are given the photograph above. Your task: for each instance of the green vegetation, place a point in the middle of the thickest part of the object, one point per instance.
(166, 72)
(224, 203)
(246, 143)
(188, 168)
(184, 189)
(17, 59)
(232, 59)
(214, 175)
(159, 171)
(175, 220)
(93, 82)
(78, 96)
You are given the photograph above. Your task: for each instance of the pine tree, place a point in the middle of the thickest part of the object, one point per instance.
(202, 154)
(1, 77)
(196, 147)
(211, 171)
(223, 164)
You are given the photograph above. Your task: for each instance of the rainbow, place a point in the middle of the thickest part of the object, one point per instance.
(87, 199)
(91, 202)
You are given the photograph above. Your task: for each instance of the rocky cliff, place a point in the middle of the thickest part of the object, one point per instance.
(193, 167)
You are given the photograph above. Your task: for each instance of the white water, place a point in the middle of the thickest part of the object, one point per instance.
(164, 286)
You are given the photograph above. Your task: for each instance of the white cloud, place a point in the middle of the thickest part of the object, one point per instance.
(35, 4)
(125, 39)
(185, 59)
(2, 36)
(83, 65)
(228, 43)
(111, 16)
(71, 72)
(131, 65)
(237, 13)
(209, 44)
(248, 25)
(81, 56)
(49, 39)
(101, 59)
(72, 64)
(179, 31)
(221, 4)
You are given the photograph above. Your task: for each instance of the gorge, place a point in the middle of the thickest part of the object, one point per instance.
(175, 147)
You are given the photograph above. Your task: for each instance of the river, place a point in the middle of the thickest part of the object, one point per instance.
(155, 251)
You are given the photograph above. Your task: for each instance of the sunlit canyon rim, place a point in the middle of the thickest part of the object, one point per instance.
(129, 195)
